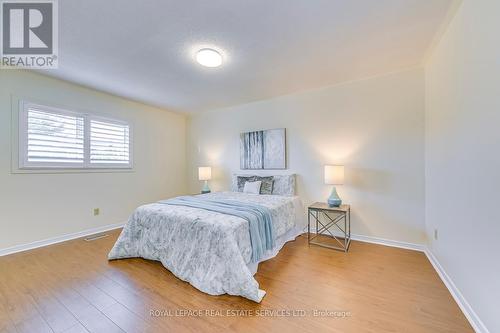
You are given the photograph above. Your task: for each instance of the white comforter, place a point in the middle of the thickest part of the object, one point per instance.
(210, 250)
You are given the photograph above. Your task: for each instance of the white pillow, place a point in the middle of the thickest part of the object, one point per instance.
(252, 187)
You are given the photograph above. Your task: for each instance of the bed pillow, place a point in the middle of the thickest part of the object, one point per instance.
(265, 188)
(284, 185)
(252, 187)
(240, 182)
(267, 184)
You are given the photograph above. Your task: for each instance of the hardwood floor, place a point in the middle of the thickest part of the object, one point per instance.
(71, 287)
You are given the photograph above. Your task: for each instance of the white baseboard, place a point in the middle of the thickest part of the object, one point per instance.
(383, 241)
(59, 239)
(467, 310)
(388, 242)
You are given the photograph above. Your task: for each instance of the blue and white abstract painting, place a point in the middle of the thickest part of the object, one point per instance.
(263, 149)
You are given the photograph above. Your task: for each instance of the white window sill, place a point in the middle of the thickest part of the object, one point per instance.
(70, 170)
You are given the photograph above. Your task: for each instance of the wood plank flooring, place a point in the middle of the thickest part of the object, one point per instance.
(71, 287)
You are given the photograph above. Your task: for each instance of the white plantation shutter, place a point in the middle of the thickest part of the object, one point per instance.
(52, 137)
(109, 142)
(55, 138)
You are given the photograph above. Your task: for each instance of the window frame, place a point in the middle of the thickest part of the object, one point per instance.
(24, 164)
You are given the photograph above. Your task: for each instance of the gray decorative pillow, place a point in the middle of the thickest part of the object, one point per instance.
(267, 184)
(284, 185)
(241, 180)
(265, 188)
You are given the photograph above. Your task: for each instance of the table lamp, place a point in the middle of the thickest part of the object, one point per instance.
(205, 173)
(334, 175)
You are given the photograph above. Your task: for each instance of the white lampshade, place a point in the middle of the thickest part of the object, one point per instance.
(334, 174)
(204, 173)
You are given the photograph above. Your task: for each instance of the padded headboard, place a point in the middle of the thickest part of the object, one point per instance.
(283, 184)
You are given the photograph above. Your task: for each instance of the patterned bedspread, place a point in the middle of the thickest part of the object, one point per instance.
(209, 250)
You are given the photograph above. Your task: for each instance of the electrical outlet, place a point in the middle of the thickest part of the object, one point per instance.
(97, 211)
(435, 234)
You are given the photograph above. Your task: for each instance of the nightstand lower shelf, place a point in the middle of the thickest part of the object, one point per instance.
(344, 242)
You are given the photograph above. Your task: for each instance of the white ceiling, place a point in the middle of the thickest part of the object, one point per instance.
(143, 50)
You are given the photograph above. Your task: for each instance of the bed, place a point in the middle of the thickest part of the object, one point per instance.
(207, 248)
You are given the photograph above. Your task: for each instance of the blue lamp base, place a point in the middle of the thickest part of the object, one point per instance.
(205, 188)
(334, 200)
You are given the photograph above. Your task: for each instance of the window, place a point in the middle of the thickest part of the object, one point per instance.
(109, 143)
(55, 138)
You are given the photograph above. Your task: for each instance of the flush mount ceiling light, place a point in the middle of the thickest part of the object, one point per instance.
(209, 58)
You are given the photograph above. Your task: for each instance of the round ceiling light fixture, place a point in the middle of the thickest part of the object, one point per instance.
(209, 57)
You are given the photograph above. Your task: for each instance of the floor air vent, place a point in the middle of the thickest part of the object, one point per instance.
(95, 237)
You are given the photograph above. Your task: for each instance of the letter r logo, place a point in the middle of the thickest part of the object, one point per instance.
(27, 27)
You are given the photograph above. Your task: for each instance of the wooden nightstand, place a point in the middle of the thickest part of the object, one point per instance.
(338, 217)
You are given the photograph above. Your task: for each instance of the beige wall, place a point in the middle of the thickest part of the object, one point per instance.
(375, 127)
(462, 155)
(39, 206)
